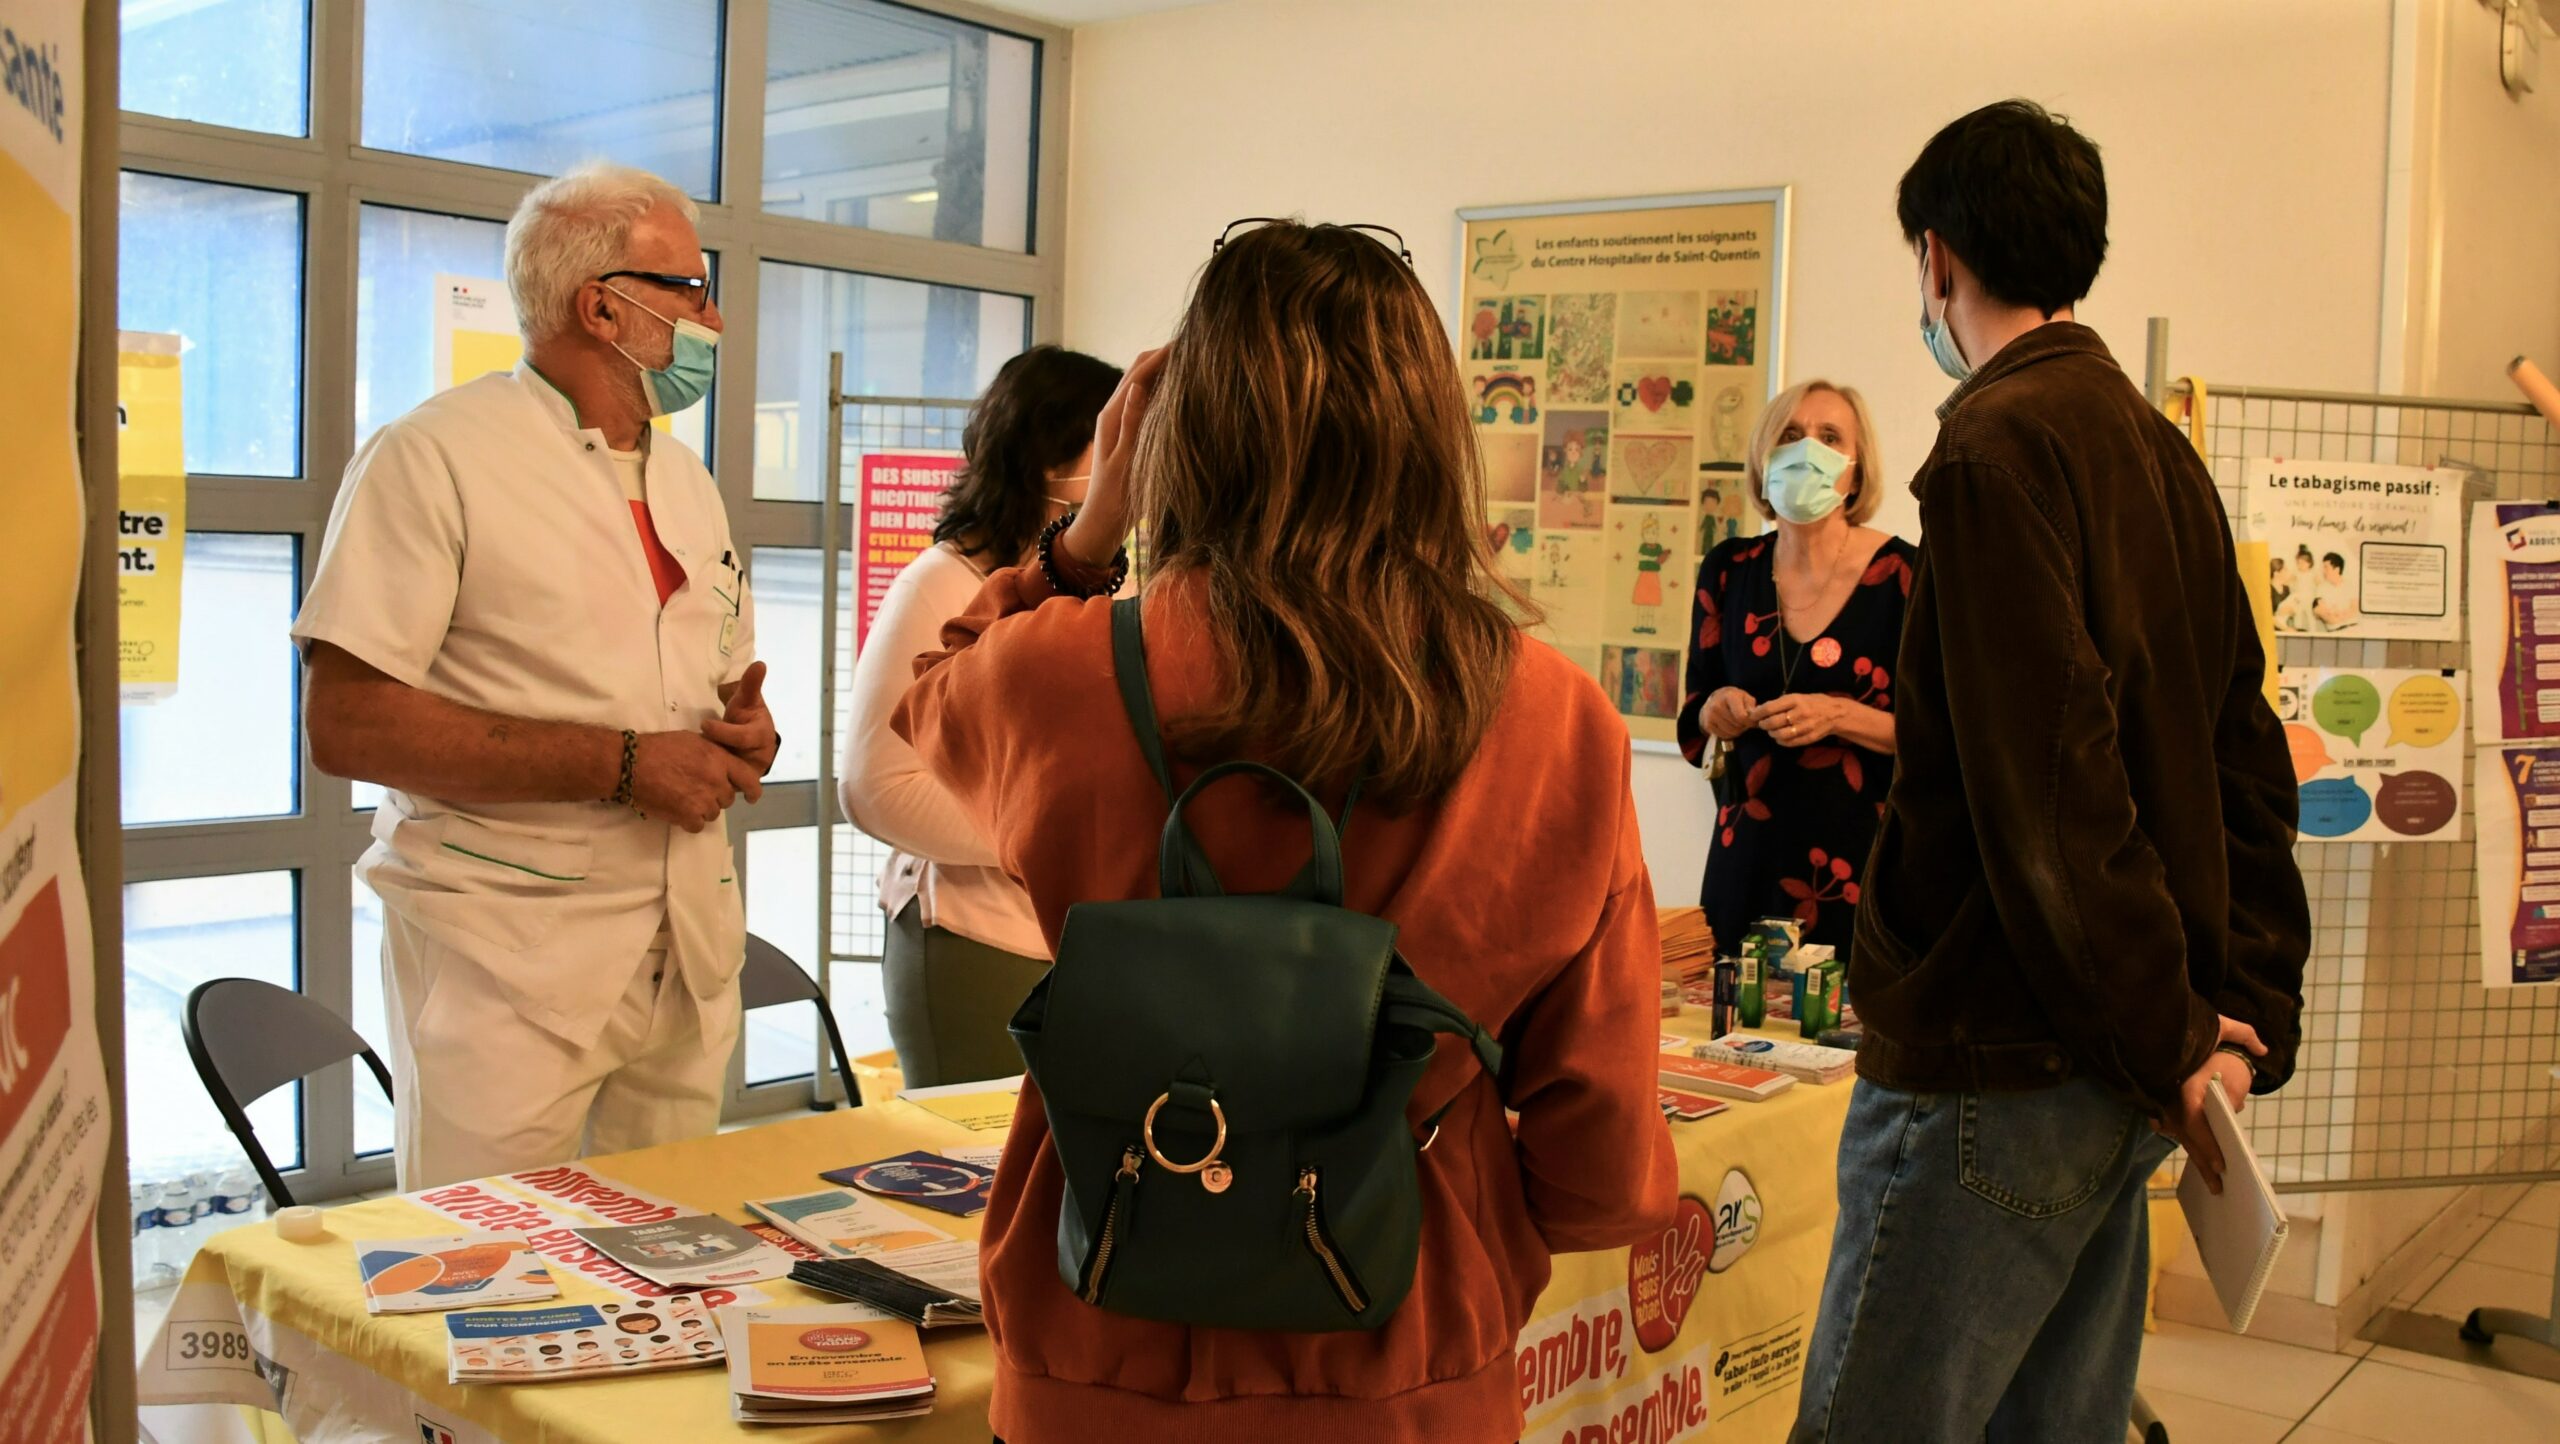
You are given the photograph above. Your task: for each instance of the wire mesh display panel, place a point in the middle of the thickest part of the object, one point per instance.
(850, 861)
(2411, 1072)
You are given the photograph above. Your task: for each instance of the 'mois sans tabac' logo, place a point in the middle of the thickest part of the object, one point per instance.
(1663, 1274)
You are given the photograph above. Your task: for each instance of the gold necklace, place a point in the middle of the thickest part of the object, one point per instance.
(1786, 668)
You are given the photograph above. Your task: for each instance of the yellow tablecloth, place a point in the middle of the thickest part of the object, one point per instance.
(1699, 1335)
(263, 1327)
(282, 1327)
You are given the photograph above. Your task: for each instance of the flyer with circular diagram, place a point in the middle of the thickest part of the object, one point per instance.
(2377, 752)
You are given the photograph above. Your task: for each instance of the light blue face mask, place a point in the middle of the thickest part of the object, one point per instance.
(1939, 337)
(686, 377)
(1803, 481)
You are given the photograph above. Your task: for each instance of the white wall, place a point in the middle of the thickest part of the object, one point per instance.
(2245, 147)
(2485, 255)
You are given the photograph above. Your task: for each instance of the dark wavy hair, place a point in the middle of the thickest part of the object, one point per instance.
(1036, 416)
(2019, 196)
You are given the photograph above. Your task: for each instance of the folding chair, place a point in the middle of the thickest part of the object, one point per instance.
(249, 1039)
(771, 979)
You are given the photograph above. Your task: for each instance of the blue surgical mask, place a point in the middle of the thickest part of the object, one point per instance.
(1940, 337)
(1803, 481)
(687, 375)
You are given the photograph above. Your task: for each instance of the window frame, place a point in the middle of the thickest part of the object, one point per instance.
(336, 176)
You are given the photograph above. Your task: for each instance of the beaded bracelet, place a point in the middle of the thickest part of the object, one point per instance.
(1057, 580)
(630, 763)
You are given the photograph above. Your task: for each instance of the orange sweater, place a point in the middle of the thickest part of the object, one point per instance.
(1522, 897)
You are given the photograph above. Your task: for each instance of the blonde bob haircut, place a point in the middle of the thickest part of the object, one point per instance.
(1866, 491)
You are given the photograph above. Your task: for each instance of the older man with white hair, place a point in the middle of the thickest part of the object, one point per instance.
(531, 626)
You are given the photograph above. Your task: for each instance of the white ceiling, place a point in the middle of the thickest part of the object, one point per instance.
(1087, 12)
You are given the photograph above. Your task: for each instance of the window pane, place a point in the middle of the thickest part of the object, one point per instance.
(179, 933)
(787, 639)
(541, 88)
(399, 255)
(782, 908)
(225, 743)
(900, 338)
(372, 1110)
(222, 266)
(241, 63)
(892, 119)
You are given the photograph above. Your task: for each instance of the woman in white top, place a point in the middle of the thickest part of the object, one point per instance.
(962, 946)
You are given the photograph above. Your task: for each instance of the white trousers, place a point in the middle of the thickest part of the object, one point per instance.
(480, 1089)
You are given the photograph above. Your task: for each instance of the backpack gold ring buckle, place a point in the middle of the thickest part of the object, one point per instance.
(1206, 1160)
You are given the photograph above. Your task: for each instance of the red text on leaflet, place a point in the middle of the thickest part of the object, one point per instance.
(46, 1390)
(585, 1190)
(901, 500)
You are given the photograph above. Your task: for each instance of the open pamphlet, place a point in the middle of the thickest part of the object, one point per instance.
(831, 1364)
(907, 1266)
(982, 1107)
(415, 1275)
(2240, 1231)
(579, 1341)
(840, 1223)
(694, 1251)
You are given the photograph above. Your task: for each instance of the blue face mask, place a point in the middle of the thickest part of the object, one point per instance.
(1940, 338)
(1803, 481)
(686, 377)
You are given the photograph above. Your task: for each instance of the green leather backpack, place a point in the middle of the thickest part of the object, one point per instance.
(1226, 1080)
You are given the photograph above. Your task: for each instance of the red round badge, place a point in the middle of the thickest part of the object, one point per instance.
(1826, 653)
(835, 1339)
(1663, 1274)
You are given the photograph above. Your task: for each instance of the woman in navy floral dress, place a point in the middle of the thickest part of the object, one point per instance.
(1793, 642)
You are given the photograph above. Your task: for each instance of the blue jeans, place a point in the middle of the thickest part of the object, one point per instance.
(1988, 1271)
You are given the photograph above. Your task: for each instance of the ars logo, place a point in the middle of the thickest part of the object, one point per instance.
(1663, 1274)
(1737, 1220)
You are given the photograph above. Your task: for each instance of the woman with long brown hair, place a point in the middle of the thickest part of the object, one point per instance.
(1322, 601)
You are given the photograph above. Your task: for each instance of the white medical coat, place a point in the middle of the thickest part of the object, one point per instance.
(482, 549)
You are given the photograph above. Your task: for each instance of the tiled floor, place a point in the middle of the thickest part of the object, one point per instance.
(2214, 1388)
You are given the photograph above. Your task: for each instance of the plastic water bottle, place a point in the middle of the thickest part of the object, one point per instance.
(150, 1270)
(177, 1227)
(235, 1198)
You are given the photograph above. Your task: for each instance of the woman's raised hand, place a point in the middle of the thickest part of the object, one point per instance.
(1102, 524)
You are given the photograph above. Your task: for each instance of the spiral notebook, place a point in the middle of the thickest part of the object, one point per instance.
(2240, 1231)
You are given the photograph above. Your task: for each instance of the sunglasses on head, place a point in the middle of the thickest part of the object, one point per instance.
(1396, 236)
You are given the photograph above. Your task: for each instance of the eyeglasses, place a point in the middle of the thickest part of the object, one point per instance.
(1397, 236)
(696, 289)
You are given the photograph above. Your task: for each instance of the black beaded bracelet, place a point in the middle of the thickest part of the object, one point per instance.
(630, 763)
(1057, 581)
(2247, 1059)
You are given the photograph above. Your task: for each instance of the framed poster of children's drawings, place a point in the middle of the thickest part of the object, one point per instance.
(1616, 356)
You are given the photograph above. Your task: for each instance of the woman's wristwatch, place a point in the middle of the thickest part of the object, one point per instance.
(1058, 581)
